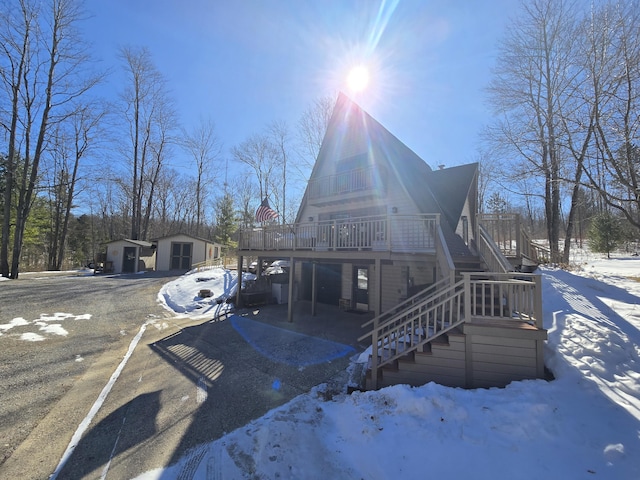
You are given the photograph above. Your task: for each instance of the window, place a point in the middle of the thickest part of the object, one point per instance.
(465, 229)
(353, 163)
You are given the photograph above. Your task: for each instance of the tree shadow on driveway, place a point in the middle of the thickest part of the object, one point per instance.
(247, 367)
(109, 437)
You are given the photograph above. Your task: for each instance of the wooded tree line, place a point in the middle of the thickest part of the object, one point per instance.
(66, 147)
(566, 93)
(565, 139)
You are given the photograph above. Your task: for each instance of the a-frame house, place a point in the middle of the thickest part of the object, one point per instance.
(378, 230)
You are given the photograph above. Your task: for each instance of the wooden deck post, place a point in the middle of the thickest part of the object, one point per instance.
(378, 305)
(519, 239)
(374, 355)
(239, 289)
(467, 296)
(537, 301)
(468, 342)
(292, 276)
(314, 293)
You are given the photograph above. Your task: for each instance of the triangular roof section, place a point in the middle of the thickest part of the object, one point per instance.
(451, 186)
(350, 124)
(185, 235)
(139, 243)
(441, 191)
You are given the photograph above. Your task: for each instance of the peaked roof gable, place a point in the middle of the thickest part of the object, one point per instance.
(351, 128)
(166, 237)
(451, 187)
(138, 243)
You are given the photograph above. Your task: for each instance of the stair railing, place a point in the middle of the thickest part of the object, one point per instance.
(491, 254)
(532, 250)
(384, 317)
(507, 297)
(416, 325)
(443, 257)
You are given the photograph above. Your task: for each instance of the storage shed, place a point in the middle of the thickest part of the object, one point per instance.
(182, 252)
(129, 256)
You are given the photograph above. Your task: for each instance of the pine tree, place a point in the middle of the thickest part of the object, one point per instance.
(226, 222)
(497, 203)
(605, 233)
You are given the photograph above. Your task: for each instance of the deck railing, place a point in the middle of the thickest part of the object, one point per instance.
(507, 297)
(394, 233)
(504, 229)
(507, 232)
(356, 180)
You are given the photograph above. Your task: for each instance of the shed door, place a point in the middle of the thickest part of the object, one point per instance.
(129, 260)
(181, 256)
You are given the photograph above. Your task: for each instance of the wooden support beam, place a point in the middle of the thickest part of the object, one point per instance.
(239, 289)
(378, 304)
(314, 294)
(292, 276)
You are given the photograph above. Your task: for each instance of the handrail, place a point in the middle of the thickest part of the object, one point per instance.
(416, 326)
(491, 253)
(533, 251)
(508, 233)
(210, 263)
(443, 257)
(508, 297)
(541, 253)
(421, 295)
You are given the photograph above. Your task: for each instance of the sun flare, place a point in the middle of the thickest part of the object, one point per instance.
(358, 78)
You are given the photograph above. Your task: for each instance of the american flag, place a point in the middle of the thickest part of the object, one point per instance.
(265, 212)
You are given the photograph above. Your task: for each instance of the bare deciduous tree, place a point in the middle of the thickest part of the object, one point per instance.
(613, 63)
(279, 135)
(44, 71)
(258, 153)
(535, 75)
(244, 196)
(311, 129)
(150, 118)
(204, 147)
(69, 146)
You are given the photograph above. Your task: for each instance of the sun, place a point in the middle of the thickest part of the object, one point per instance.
(358, 78)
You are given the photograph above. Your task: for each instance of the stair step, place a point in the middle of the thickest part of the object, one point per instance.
(408, 358)
(442, 340)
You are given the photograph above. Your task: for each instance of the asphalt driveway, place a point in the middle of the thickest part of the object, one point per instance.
(186, 386)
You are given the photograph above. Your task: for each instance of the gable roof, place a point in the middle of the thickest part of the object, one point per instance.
(185, 235)
(442, 191)
(138, 243)
(451, 186)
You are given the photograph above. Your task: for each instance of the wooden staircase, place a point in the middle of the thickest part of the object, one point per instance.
(442, 361)
(485, 330)
(480, 326)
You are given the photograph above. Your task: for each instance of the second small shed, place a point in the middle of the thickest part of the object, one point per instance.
(181, 252)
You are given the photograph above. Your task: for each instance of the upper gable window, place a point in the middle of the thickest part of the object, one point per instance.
(353, 163)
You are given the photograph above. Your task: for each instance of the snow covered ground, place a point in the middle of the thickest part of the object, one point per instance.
(584, 424)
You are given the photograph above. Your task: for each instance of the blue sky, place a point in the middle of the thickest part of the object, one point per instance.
(246, 63)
